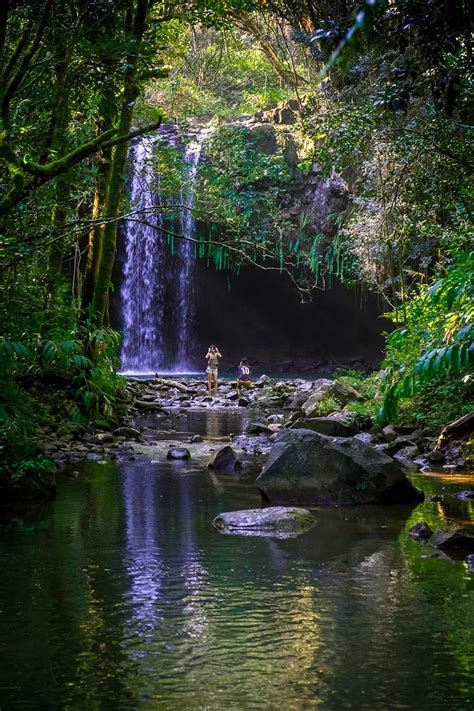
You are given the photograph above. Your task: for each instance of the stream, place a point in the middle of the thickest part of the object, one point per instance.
(121, 594)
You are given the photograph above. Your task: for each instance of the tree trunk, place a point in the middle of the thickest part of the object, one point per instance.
(114, 190)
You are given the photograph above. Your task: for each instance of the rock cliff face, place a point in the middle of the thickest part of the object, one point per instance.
(315, 199)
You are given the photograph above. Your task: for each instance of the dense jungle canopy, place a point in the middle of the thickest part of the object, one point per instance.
(376, 93)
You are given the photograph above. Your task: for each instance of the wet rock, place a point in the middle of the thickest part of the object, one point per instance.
(435, 457)
(232, 395)
(243, 402)
(389, 433)
(178, 453)
(144, 405)
(311, 406)
(332, 426)
(224, 458)
(420, 531)
(276, 521)
(306, 467)
(256, 428)
(453, 539)
(406, 457)
(263, 380)
(470, 562)
(196, 438)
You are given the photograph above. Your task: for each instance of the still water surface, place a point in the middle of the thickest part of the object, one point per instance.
(120, 594)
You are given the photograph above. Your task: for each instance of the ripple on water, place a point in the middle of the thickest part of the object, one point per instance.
(128, 596)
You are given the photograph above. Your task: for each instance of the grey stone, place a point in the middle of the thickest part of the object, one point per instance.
(435, 457)
(305, 467)
(276, 522)
(196, 438)
(256, 428)
(332, 426)
(178, 453)
(127, 432)
(224, 458)
(389, 433)
(344, 393)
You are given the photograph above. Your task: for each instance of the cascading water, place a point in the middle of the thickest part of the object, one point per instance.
(186, 284)
(157, 292)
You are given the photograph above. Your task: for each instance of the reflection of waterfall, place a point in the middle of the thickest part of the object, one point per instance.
(157, 290)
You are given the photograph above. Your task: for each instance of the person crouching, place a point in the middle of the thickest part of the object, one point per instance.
(243, 376)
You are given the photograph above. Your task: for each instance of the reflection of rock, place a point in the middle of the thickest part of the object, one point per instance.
(277, 521)
(310, 468)
(224, 458)
(453, 539)
(464, 495)
(420, 531)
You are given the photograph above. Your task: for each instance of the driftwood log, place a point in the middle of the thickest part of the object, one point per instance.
(458, 429)
(174, 384)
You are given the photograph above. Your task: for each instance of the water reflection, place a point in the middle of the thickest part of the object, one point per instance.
(129, 597)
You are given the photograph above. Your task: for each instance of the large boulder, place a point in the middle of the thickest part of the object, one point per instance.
(305, 467)
(276, 521)
(333, 425)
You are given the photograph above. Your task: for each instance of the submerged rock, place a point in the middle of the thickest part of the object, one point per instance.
(310, 468)
(277, 521)
(224, 458)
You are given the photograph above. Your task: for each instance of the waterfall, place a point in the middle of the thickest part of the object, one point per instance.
(157, 292)
(186, 284)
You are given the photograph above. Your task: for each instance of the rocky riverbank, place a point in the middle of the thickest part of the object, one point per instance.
(157, 407)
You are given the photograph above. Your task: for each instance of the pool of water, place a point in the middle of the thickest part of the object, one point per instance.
(120, 594)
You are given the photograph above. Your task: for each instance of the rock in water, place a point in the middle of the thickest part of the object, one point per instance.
(178, 453)
(224, 458)
(305, 467)
(277, 521)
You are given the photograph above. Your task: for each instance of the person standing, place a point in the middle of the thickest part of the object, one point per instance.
(243, 376)
(212, 369)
